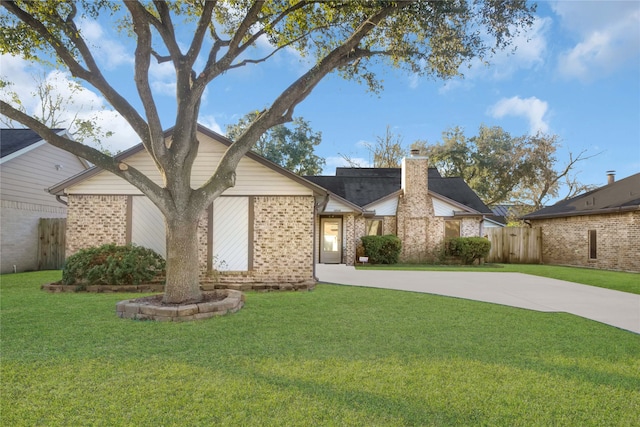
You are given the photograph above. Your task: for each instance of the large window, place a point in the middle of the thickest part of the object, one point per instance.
(451, 229)
(374, 227)
(593, 244)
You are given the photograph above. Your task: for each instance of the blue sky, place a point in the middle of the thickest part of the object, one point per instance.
(576, 74)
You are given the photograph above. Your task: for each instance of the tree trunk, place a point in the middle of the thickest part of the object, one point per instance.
(183, 265)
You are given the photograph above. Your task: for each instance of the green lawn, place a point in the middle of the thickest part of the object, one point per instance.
(617, 280)
(334, 356)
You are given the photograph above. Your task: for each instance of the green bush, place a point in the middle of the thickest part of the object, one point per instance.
(113, 265)
(469, 249)
(382, 249)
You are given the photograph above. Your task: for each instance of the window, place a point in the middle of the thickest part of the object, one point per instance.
(374, 227)
(451, 229)
(593, 245)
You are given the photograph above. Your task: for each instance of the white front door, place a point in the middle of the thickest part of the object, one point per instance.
(331, 243)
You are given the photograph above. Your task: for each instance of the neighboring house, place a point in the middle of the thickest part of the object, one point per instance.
(28, 166)
(599, 229)
(274, 226)
(505, 213)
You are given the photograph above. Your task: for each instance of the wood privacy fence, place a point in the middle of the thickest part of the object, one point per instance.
(51, 243)
(515, 245)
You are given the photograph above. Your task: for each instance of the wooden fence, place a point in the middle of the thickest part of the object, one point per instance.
(51, 243)
(515, 245)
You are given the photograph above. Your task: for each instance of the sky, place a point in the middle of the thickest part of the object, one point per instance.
(575, 74)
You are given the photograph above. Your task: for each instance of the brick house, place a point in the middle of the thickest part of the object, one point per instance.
(598, 229)
(273, 226)
(28, 166)
(413, 202)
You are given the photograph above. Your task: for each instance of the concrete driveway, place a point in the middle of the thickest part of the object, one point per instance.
(619, 309)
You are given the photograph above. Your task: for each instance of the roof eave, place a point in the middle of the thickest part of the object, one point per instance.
(619, 209)
(59, 188)
(462, 206)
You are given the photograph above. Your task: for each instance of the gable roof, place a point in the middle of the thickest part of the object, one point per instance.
(59, 188)
(363, 186)
(19, 141)
(620, 196)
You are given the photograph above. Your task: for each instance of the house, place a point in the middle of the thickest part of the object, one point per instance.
(273, 226)
(28, 166)
(599, 229)
(413, 202)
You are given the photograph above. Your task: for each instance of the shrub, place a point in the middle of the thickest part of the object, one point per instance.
(113, 265)
(469, 249)
(382, 249)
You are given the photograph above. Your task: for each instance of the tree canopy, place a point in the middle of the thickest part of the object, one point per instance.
(291, 148)
(204, 40)
(505, 169)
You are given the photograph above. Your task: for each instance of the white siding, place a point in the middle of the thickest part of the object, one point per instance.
(25, 178)
(441, 208)
(231, 234)
(147, 225)
(252, 178)
(386, 207)
(336, 206)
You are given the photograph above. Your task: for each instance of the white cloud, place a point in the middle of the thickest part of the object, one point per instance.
(210, 122)
(608, 33)
(532, 109)
(79, 103)
(109, 51)
(527, 51)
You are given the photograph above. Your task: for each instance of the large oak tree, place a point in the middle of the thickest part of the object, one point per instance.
(353, 38)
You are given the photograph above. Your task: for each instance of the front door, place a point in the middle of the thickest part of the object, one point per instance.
(331, 245)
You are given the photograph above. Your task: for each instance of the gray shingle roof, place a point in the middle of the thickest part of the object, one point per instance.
(622, 195)
(12, 140)
(363, 186)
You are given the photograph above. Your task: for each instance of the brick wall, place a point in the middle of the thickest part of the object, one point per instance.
(470, 227)
(565, 241)
(283, 239)
(96, 220)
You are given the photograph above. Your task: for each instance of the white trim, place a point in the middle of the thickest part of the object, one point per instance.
(23, 151)
(37, 144)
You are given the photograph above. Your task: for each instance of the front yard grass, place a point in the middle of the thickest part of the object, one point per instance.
(616, 280)
(334, 356)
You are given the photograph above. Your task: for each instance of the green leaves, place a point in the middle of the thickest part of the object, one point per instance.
(382, 249)
(113, 265)
(291, 147)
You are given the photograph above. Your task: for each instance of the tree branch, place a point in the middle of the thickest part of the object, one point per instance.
(198, 37)
(92, 75)
(154, 140)
(282, 108)
(104, 161)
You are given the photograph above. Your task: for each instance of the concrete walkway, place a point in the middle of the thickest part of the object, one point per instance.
(619, 309)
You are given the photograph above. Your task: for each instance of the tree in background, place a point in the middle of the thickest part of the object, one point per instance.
(504, 169)
(387, 151)
(293, 149)
(58, 110)
(207, 40)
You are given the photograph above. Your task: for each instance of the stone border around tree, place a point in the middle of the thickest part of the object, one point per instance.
(206, 287)
(136, 309)
(57, 288)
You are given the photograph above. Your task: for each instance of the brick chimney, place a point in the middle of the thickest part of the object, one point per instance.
(415, 209)
(415, 175)
(611, 177)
